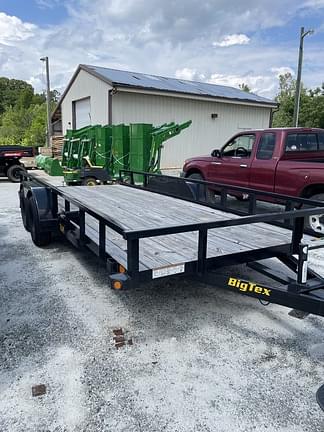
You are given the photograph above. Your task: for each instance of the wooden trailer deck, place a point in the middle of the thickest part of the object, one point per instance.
(136, 209)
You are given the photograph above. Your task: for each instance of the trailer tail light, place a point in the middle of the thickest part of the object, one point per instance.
(117, 285)
(121, 269)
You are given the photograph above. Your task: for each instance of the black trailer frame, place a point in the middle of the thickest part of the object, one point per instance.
(305, 291)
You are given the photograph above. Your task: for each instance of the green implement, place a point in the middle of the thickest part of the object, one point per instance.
(100, 152)
(159, 135)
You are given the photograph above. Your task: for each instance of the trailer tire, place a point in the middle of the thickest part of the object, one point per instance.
(14, 172)
(24, 210)
(210, 195)
(89, 181)
(316, 222)
(40, 238)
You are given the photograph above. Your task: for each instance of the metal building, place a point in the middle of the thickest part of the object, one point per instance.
(97, 95)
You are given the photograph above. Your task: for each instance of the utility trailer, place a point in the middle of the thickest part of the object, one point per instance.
(164, 227)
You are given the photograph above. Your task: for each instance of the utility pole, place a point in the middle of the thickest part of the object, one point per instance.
(303, 33)
(48, 102)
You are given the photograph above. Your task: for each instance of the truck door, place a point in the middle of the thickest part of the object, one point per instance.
(263, 167)
(233, 165)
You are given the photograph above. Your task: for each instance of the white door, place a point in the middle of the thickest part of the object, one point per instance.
(82, 113)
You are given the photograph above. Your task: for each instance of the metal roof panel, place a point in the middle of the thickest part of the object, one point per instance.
(155, 82)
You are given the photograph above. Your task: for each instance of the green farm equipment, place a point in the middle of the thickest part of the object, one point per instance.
(50, 165)
(97, 153)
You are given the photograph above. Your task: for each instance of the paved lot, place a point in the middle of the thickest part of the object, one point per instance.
(202, 359)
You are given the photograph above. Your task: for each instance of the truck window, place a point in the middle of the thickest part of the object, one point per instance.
(241, 146)
(321, 141)
(266, 146)
(301, 142)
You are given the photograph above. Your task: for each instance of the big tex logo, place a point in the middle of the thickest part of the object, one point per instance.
(248, 287)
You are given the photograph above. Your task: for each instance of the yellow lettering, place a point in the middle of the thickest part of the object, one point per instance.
(232, 281)
(266, 291)
(243, 286)
(258, 290)
(251, 286)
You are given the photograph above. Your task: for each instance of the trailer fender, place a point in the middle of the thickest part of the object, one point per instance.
(42, 216)
(45, 203)
(172, 186)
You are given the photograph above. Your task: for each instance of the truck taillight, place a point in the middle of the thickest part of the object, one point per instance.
(13, 154)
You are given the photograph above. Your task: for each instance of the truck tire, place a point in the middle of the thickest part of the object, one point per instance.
(89, 181)
(210, 195)
(316, 222)
(14, 172)
(40, 238)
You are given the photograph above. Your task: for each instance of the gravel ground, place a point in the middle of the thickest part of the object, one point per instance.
(202, 359)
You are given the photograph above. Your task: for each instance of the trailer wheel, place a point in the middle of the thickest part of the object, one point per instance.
(40, 238)
(89, 181)
(14, 172)
(24, 209)
(210, 195)
(316, 222)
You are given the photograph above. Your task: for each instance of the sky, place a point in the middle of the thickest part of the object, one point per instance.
(218, 41)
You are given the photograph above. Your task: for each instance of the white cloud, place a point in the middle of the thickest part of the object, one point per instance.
(47, 4)
(256, 82)
(233, 39)
(12, 29)
(165, 38)
(314, 4)
(189, 75)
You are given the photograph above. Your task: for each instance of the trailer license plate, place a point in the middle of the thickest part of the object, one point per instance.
(168, 271)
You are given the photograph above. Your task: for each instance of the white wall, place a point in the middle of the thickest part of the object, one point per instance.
(202, 136)
(86, 85)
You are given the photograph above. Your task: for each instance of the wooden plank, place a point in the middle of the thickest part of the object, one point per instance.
(140, 209)
(56, 181)
(143, 209)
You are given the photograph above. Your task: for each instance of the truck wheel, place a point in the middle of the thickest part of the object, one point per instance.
(14, 173)
(316, 222)
(40, 238)
(210, 195)
(89, 181)
(24, 209)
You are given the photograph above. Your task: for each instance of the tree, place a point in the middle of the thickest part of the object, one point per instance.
(311, 110)
(23, 113)
(244, 87)
(35, 134)
(15, 121)
(10, 92)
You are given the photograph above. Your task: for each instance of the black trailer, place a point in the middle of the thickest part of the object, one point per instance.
(164, 227)
(10, 164)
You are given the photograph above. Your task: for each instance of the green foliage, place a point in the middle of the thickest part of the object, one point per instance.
(13, 92)
(311, 111)
(22, 113)
(35, 134)
(244, 87)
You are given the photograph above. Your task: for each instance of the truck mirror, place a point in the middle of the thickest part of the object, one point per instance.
(216, 153)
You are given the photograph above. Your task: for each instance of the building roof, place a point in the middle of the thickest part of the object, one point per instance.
(155, 82)
(135, 80)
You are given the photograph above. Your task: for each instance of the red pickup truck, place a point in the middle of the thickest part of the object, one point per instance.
(289, 161)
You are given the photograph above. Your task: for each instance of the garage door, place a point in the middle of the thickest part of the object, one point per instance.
(82, 113)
